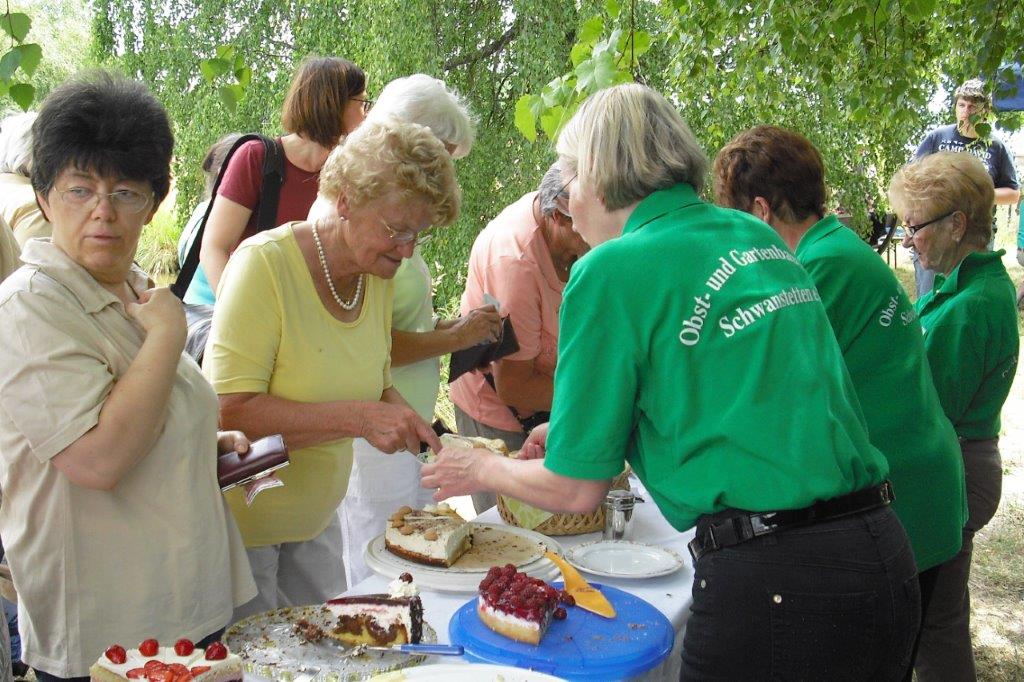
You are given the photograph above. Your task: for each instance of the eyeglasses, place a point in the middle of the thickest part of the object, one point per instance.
(405, 236)
(564, 188)
(367, 103)
(911, 230)
(123, 199)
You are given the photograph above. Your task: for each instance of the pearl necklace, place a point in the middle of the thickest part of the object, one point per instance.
(345, 305)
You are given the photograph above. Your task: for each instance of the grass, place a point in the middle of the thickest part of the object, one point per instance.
(158, 246)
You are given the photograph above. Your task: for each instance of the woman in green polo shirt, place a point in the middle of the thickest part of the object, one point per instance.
(970, 333)
(721, 382)
(778, 176)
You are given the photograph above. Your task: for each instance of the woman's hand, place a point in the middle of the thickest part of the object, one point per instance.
(482, 325)
(159, 312)
(390, 428)
(534, 446)
(455, 472)
(232, 440)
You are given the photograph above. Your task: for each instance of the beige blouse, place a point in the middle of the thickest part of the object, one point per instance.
(157, 556)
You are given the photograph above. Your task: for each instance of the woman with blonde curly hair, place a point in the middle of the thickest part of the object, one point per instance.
(300, 345)
(970, 335)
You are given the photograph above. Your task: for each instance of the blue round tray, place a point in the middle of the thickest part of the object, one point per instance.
(583, 646)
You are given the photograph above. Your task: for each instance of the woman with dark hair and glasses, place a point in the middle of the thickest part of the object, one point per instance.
(522, 259)
(114, 523)
(326, 101)
(970, 333)
(301, 345)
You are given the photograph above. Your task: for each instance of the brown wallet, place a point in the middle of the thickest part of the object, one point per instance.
(264, 456)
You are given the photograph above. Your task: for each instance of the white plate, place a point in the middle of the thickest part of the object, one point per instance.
(622, 559)
(448, 672)
(459, 578)
(271, 649)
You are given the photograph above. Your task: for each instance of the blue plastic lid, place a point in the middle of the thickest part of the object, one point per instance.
(583, 646)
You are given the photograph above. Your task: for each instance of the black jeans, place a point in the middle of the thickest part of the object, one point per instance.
(201, 644)
(835, 600)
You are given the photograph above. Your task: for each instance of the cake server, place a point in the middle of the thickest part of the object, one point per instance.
(412, 649)
(586, 596)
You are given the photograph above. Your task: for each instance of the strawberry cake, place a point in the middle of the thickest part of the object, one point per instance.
(517, 606)
(181, 663)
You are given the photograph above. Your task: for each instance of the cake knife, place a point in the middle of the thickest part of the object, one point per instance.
(412, 649)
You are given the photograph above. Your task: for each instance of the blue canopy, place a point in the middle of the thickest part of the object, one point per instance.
(1009, 90)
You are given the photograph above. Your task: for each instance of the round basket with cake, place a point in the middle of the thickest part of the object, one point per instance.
(516, 513)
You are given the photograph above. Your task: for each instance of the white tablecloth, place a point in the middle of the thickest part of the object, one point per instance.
(671, 594)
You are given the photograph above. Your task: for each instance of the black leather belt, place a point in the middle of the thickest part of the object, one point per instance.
(743, 527)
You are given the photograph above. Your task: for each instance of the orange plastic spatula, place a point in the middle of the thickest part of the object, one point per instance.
(586, 596)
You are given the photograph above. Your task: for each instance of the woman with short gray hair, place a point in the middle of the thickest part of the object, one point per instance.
(682, 333)
(18, 207)
(970, 335)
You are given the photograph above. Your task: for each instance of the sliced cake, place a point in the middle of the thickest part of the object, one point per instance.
(180, 663)
(517, 606)
(379, 619)
(434, 535)
(453, 440)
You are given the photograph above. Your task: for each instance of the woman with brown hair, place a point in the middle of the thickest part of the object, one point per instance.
(326, 101)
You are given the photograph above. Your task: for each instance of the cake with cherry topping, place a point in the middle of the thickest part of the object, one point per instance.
(434, 535)
(181, 663)
(378, 619)
(517, 606)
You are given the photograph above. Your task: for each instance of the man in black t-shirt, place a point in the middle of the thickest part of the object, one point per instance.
(970, 99)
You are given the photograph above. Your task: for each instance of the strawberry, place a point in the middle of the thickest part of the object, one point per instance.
(183, 647)
(149, 648)
(200, 669)
(116, 654)
(216, 652)
(136, 674)
(155, 665)
(177, 668)
(160, 676)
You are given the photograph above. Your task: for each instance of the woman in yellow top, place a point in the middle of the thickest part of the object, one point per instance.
(300, 345)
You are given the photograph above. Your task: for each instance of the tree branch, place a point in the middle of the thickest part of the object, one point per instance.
(487, 50)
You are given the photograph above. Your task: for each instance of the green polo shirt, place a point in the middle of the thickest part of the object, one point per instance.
(880, 338)
(695, 346)
(970, 332)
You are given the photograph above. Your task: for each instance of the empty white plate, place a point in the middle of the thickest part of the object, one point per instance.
(623, 559)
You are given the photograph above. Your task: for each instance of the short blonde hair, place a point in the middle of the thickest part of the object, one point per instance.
(391, 157)
(944, 182)
(628, 141)
(419, 98)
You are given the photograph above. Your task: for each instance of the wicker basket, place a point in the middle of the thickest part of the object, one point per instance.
(569, 524)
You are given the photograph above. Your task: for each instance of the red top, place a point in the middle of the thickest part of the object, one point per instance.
(244, 178)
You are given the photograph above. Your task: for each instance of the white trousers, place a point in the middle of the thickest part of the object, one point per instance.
(296, 573)
(378, 486)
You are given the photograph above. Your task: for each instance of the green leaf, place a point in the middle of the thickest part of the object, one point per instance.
(211, 68)
(226, 52)
(640, 44)
(3, 89)
(595, 73)
(229, 96)
(244, 76)
(612, 8)
(23, 94)
(526, 121)
(16, 25)
(31, 55)
(591, 30)
(983, 129)
(551, 122)
(579, 52)
(9, 63)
